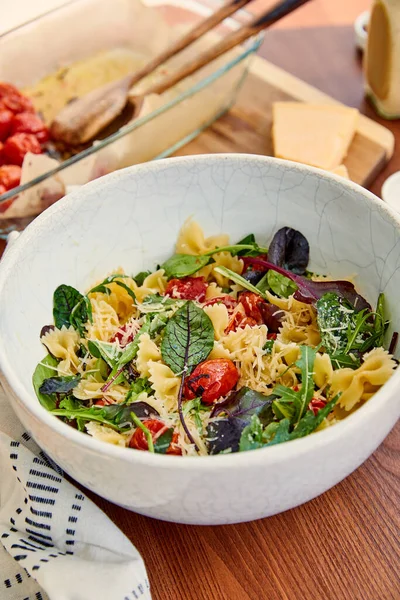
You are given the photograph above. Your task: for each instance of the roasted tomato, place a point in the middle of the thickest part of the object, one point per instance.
(211, 379)
(6, 117)
(29, 123)
(251, 303)
(239, 321)
(3, 190)
(13, 100)
(228, 301)
(156, 428)
(18, 145)
(187, 288)
(316, 404)
(10, 176)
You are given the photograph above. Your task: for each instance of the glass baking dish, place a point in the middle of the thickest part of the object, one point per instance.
(81, 29)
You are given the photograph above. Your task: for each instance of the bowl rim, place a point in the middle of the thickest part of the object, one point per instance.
(279, 453)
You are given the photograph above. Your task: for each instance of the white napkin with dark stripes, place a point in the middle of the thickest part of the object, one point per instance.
(57, 544)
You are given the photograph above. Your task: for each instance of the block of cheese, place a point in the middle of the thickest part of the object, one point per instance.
(314, 134)
(342, 171)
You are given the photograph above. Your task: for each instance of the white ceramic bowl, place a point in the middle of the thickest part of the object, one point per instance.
(131, 218)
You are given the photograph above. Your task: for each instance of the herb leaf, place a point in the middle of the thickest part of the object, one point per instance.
(140, 277)
(69, 308)
(45, 369)
(188, 338)
(59, 385)
(333, 320)
(116, 416)
(182, 265)
(282, 286)
(238, 279)
(106, 350)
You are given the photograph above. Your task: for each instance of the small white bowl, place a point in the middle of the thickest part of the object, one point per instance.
(131, 219)
(361, 29)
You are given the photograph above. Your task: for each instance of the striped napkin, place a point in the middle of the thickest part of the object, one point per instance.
(56, 544)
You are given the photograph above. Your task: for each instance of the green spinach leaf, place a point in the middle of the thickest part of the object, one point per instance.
(69, 308)
(45, 369)
(282, 286)
(140, 277)
(182, 265)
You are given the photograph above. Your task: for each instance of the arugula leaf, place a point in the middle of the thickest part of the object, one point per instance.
(163, 442)
(69, 308)
(45, 369)
(146, 431)
(59, 385)
(140, 277)
(188, 338)
(283, 410)
(310, 422)
(196, 407)
(140, 385)
(298, 399)
(182, 265)
(252, 435)
(282, 286)
(281, 434)
(156, 299)
(158, 323)
(379, 323)
(341, 361)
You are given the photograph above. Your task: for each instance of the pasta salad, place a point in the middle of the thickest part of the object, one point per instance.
(223, 348)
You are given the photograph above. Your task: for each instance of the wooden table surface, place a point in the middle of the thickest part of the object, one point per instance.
(343, 545)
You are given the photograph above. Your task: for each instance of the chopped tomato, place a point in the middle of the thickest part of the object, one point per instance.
(316, 404)
(3, 190)
(174, 447)
(12, 99)
(228, 301)
(18, 145)
(251, 303)
(211, 379)
(6, 117)
(272, 336)
(187, 288)
(26, 122)
(125, 334)
(239, 321)
(10, 176)
(157, 429)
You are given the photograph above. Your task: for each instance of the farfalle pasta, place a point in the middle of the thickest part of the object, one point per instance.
(223, 348)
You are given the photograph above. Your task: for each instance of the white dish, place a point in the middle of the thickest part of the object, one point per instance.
(131, 219)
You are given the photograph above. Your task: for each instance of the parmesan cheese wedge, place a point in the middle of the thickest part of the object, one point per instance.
(314, 134)
(342, 171)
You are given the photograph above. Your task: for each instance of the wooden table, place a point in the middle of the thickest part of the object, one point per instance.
(343, 545)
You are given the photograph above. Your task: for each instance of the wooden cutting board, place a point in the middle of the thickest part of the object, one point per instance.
(247, 126)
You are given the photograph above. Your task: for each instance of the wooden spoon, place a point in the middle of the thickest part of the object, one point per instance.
(77, 127)
(83, 118)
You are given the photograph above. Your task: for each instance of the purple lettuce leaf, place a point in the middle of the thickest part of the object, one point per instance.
(289, 249)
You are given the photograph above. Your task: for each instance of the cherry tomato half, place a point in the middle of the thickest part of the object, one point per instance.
(211, 379)
(10, 176)
(26, 122)
(6, 117)
(156, 428)
(7, 89)
(18, 145)
(187, 288)
(239, 321)
(251, 303)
